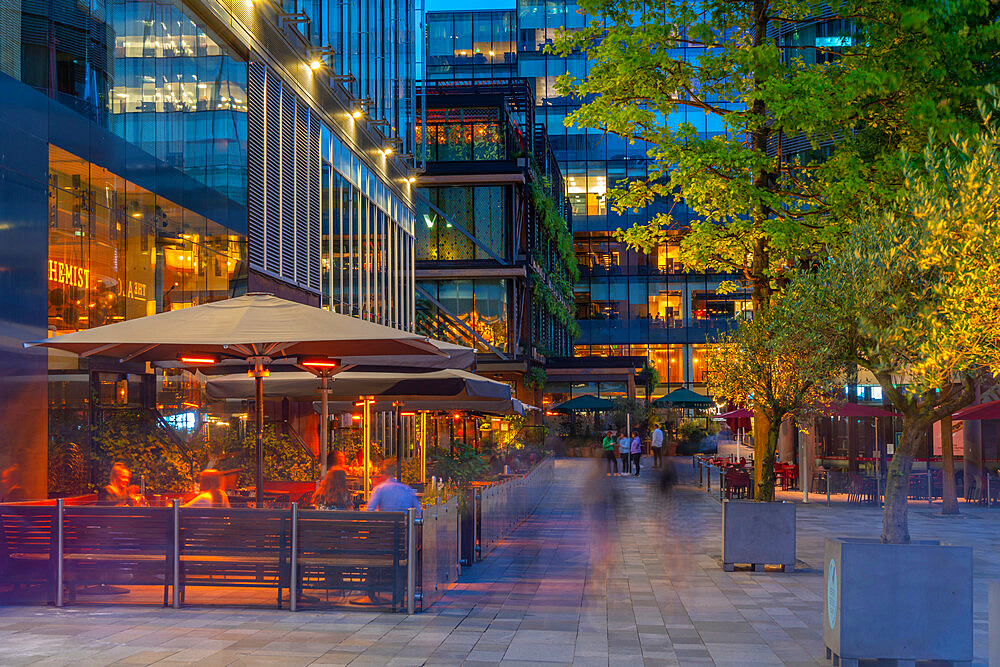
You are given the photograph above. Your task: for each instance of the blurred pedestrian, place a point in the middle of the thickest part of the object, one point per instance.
(210, 493)
(11, 490)
(668, 478)
(393, 496)
(635, 450)
(656, 444)
(608, 445)
(625, 451)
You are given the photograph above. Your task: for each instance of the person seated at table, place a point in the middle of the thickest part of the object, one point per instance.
(116, 492)
(11, 490)
(391, 495)
(210, 491)
(332, 493)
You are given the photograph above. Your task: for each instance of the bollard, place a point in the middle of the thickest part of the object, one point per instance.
(708, 477)
(293, 587)
(929, 481)
(59, 552)
(701, 469)
(827, 475)
(989, 496)
(176, 591)
(411, 560)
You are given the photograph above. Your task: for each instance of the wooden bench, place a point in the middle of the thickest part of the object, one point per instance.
(28, 550)
(344, 551)
(245, 548)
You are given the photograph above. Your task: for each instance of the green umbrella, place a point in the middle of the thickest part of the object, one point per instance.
(585, 403)
(684, 398)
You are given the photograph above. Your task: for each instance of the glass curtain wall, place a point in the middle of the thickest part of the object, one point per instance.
(147, 71)
(374, 41)
(367, 241)
(471, 45)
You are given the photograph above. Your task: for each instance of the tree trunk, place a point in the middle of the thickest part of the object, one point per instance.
(761, 427)
(895, 528)
(949, 497)
(765, 487)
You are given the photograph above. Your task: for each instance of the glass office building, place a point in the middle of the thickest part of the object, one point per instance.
(628, 303)
(159, 155)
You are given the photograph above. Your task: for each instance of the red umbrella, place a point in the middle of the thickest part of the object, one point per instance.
(989, 410)
(739, 413)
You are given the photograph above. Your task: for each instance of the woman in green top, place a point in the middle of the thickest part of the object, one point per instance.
(609, 452)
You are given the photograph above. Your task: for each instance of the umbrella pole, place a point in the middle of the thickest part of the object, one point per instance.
(367, 440)
(422, 443)
(324, 424)
(399, 442)
(259, 405)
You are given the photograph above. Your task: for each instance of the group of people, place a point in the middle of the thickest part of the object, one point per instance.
(332, 493)
(119, 491)
(630, 450)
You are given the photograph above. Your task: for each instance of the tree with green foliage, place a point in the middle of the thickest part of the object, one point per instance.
(913, 295)
(765, 364)
(901, 69)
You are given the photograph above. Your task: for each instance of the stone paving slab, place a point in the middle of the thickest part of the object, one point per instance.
(585, 581)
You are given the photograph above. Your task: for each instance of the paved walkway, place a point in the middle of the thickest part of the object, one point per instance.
(645, 586)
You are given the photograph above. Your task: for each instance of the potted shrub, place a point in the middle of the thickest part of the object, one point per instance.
(913, 297)
(761, 363)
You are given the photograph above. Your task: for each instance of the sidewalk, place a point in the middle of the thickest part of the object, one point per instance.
(567, 587)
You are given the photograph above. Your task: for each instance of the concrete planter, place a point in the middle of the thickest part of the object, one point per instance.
(758, 534)
(901, 602)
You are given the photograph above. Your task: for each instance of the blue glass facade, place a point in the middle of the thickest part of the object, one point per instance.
(628, 303)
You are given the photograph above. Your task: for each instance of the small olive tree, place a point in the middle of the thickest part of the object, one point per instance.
(913, 295)
(763, 364)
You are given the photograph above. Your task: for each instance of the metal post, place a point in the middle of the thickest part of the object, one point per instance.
(827, 487)
(367, 439)
(929, 481)
(422, 443)
(59, 552)
(701, 469)
(176, 503)
(324, 421)
(293, 581)
(989, 496)
(708, 479)
(399, 441)
(722, 484)
(411, 560)
(258, 376)
(804, 476)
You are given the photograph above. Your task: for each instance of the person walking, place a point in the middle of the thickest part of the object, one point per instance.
(625, 451)
(656, 444)
(608, 445)
(635, 450)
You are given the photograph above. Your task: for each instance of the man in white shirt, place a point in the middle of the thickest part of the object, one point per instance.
(657, 444)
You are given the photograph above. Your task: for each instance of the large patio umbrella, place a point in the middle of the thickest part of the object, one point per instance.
(445, 387)
(857, 410)
(684, 398)
(989, 410)
(256, 328)
(585, 403)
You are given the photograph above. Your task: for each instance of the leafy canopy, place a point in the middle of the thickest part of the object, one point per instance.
(659, 67)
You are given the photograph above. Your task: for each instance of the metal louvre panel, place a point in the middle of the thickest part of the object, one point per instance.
(272, 170)
(315, 194)
(287, 268)
(257, 226)
(302, 193)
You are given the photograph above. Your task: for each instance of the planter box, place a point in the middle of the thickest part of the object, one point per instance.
(897, 601)
(758, 534)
